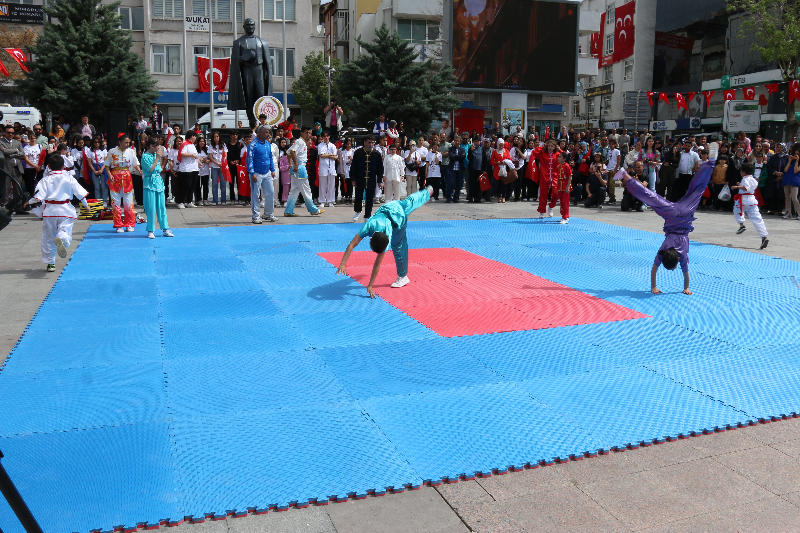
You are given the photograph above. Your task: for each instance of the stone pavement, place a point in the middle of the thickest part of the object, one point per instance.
(742, 480)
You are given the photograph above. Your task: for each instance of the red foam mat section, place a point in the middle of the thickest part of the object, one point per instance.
(452, 294)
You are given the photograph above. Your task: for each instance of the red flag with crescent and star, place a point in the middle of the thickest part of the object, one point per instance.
(226, 170)
(664, 97)
(650, 97)
(4, 70)
(623, 31)
(772, 87)
(794, 90)
(680, 101)
(19, 57)
(708, 95)
(749, 93)
(729, 95)
(221, 68)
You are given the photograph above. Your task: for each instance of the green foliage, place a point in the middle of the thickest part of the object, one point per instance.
(387, 80)
(774, 27)
(311, 88)
(84, 64)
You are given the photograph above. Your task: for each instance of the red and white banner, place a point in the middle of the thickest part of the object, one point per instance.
(221, 68)
(794, 90)
(3, 69)
(595, 44)
(19, 57)
(681, 102)
(650, 97)
(729, 95)
(708, 95)
(772, 87)
(623, 31)
(690, 96)
(749, 93)
(664, 97)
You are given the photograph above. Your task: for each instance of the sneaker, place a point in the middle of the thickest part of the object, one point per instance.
(213, 203)
(291, 215)
(549, 212)
(332, 204)
(181, 206)
(433, 200)
(120, 230)
(317, 212)
(62, 250)
(151, 235)
(787, 216)
(430, 190)
(130, 229)
(171, 201)
(168, 233)
(524, 199)
(612, 202)
(542, 215)
(355, 217)
(271, 218)
(564, 221)
(764, 243)
(263, 203)
(190, 204)
(51, 268)
(741, 230)
(400, 282)
(257, 220)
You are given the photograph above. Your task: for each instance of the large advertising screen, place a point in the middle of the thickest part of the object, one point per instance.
(523, 45)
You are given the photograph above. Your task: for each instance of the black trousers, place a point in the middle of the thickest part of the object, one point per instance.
(475, 193)
(201, 188)
(188, 184)
(680, 187)
(232, 184)
(138, 188)
(434, 182)
(30, 180)
(597, 197)
(368, 185)
(629, 201)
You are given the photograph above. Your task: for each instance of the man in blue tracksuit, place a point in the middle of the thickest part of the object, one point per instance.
(261, 168)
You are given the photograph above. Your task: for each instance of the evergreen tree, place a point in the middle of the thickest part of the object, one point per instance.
(84, 63)
(311, 88)
(387, 80)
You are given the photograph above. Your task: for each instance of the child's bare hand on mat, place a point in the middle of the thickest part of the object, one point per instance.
(371, 292)
(341, 271)
(687, 291)
(655, 290)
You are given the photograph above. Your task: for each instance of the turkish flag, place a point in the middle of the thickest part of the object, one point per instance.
(690, 96)
(762, 99)
(729, 95)
(594, 44)
(19, 57)
(221, 68)
(224, 168)
(749, 93)
(650, 97)
(772, 87)
(664, 97)
(243, 180)
(623, 31)
(547, 133)
(3, 69)
(794, 90)
(681, 102)
(708, 95)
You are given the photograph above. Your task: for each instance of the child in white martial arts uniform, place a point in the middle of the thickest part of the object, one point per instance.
(394, 169)
(745, 202)
(54, 192)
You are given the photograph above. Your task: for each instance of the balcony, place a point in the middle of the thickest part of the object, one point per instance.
(589, 23)
(340, 28)
(587, 66)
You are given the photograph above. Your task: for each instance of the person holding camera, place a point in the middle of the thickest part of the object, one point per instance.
(333, 119)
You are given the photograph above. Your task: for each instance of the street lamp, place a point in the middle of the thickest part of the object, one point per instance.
(329, 71)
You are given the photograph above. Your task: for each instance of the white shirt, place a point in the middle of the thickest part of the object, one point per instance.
(421, 151)
(327, 167)
(172, 156)
(117, 159)
(434, 165)
(142, 124)
(32, 152)
(216, 155)
(613, 157)
(414, 157)
(394, 168)
(345, 160)
(98, 157)
(205, 170)
(688, 162)
(188, 163)
(747, 197)
(59, 185)
(276, 155)
(301, 151)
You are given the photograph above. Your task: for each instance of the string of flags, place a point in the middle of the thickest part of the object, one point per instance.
(19, 57)
(749, 93)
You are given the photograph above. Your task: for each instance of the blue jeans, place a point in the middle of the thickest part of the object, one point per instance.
(264, 184)
(455, 180)
(218, 182)
(100, 187)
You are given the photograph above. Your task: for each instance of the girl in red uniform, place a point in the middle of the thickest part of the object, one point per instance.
(564, 186)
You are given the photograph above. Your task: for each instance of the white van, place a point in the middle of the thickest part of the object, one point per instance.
(27, 116)
(223, 117)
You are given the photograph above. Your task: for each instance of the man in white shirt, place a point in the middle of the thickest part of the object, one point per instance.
(327, 153)
(381, 127)
(298, 157)
(188, 169)
(614, 162)
(394, 172)
(686, 169)
(119, 162)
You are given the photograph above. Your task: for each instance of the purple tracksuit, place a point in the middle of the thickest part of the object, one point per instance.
(678, 216)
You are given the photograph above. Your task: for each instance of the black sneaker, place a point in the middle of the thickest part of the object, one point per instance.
(741, 230)
(764, 243)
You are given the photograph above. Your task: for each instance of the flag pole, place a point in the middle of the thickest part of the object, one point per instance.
(185, 73)
(211, 69)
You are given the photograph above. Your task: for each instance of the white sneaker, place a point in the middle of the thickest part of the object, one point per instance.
(257, 220)
(171, 201)
(262, 204)
(120, 230)
(564, 221)
(433, 199)
(62, 250)
(524, 199)
(271, 218)
(550, 212)
(181, 206)
(190, 204)
(355, 217)
(167, 233)
(129, 229)
(151, 235)
(213, 203)
(332, 204)
(400, 282)
(430, 190)
(542, 215)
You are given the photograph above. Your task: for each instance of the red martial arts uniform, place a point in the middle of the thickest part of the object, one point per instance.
(563, 187)
(547, 164)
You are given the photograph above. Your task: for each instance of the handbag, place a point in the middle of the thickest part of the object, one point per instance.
(502, 172)
(412, 166)
(484, 182)
(510, 177)
(725, 193)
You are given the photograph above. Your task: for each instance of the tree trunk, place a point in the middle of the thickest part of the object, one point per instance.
(791, 121)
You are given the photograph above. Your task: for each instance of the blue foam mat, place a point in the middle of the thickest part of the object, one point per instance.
(190, 374)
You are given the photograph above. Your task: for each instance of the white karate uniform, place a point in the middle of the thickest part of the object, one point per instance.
(383, 150)
(276, 176)
(57, 218)
(747, 203)
(327, 173)
(394, 169)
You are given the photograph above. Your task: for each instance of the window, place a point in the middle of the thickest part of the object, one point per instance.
(239, 10)
(628, 70)
(609, 44)
(166, 59)
(167, 9)
(590, 108)
(220, 52)
(606, 104)
(220, 9)
(610, 14)
(273, 9)
(132, 18)
(418, 31)
(576, 109)
(592, 80)
(275, 57)
(608, 74)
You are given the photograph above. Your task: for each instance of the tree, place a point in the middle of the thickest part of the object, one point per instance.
(84, 63)
(774, 27)
(311, 88)
(387, 80)
(12, 38)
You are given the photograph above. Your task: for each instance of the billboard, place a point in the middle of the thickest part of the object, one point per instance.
(671, 62)
(522, 45)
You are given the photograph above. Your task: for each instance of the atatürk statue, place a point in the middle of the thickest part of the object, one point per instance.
(250, 74)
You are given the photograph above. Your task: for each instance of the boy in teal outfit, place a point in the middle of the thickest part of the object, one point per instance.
(388, 225)
(153, 187)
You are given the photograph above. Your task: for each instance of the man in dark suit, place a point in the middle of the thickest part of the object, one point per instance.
(366, 170)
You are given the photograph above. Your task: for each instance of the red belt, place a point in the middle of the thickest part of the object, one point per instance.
(56, 201)
(738, 198)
